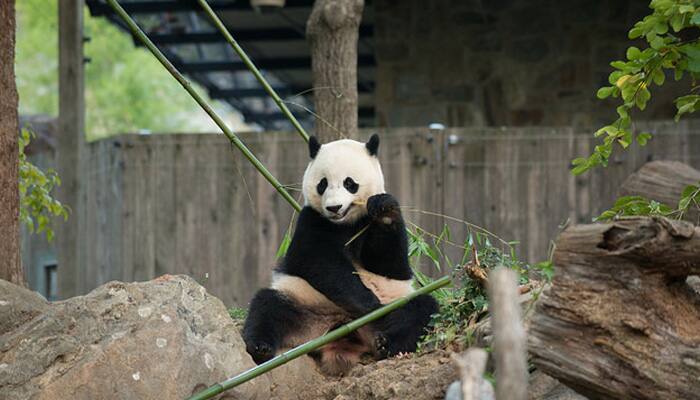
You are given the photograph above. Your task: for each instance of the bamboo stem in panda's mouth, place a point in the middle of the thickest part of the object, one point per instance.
(318, 342)
(359, 203)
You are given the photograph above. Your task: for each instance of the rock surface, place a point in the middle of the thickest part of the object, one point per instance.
(163, 339)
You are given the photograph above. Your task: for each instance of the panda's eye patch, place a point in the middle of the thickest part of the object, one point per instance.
(321, 187)
(350, 185)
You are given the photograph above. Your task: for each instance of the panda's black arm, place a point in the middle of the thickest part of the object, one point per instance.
(384, 248)
(318, 255)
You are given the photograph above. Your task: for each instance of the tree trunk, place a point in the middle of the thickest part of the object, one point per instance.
(619, 320)
(10, 263)
(664, 182)
(332, 31)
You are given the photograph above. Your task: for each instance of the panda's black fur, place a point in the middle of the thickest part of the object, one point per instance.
(318, 254)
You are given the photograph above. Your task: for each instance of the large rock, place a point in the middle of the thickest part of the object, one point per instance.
(18, 305)
(163, 339)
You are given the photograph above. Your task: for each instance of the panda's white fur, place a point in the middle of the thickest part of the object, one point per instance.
(336, 161)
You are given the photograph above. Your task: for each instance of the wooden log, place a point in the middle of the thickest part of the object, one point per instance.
(619, 320)
(509, 341)
(664, 182)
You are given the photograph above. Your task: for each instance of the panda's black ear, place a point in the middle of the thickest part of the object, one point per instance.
(314, 146)
(372, 144)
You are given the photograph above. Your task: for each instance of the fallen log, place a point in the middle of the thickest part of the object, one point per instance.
(619, 320)
(664, 182)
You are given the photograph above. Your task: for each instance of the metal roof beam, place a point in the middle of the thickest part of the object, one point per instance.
(269, 64)
(222, 94)
(247, 35)
(364, 113)
(99, 8)
(239, 93)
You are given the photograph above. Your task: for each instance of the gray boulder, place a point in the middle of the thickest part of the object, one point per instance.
(162, 339)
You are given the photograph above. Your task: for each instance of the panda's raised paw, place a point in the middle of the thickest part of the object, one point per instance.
(383, 207)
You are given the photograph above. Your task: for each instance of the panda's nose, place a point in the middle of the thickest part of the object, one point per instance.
(333, 209)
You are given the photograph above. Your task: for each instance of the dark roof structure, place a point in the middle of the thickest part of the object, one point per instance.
(274, 40)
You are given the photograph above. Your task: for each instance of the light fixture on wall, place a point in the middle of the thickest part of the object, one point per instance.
(266, 5)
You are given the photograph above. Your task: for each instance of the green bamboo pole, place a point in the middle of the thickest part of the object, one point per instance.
(247, 61)
(315, 343)
(202, 103)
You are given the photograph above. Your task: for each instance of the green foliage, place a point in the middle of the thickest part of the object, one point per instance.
(462, 304)
(669, 50)
(284, 246)
(126, 89)
(689, 198)
(237, 313)
(638, 205)
(37, 206)
(634, 205)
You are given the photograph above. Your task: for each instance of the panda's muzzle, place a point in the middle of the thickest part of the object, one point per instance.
(338, 216)
(334, 209)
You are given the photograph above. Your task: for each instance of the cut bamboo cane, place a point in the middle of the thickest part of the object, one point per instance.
(202, 103)
(251, 66)
(316, 343)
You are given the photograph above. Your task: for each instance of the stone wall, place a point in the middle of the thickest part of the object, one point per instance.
(502, 62)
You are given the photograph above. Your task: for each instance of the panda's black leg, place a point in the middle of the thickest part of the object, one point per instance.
(271, 317)
(400, 331)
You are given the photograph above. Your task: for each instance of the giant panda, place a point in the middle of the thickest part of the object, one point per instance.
(347, 257)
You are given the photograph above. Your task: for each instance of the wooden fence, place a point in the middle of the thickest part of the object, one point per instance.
(190, 204)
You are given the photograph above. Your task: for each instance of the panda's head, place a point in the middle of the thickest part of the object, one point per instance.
(341, 176)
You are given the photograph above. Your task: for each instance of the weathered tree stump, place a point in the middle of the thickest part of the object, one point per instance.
(664, 182)
(619, 320)
(332, 31)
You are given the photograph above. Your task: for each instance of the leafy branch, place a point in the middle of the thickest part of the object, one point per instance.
(638, 205)
(671, 33)
(37, 206)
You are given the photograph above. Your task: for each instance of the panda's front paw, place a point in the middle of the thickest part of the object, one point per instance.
(260, 352)
(380, 345)
(384, 208)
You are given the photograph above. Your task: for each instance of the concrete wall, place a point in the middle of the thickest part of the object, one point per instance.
(190, 204)
(503, 62)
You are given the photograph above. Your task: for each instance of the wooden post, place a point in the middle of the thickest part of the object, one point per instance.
(71, 136)
(509, 340)
(10, 263)
(332, 31)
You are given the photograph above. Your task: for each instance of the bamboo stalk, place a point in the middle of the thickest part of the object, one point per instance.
(316, 343)
(202, 103)
(251, 66)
